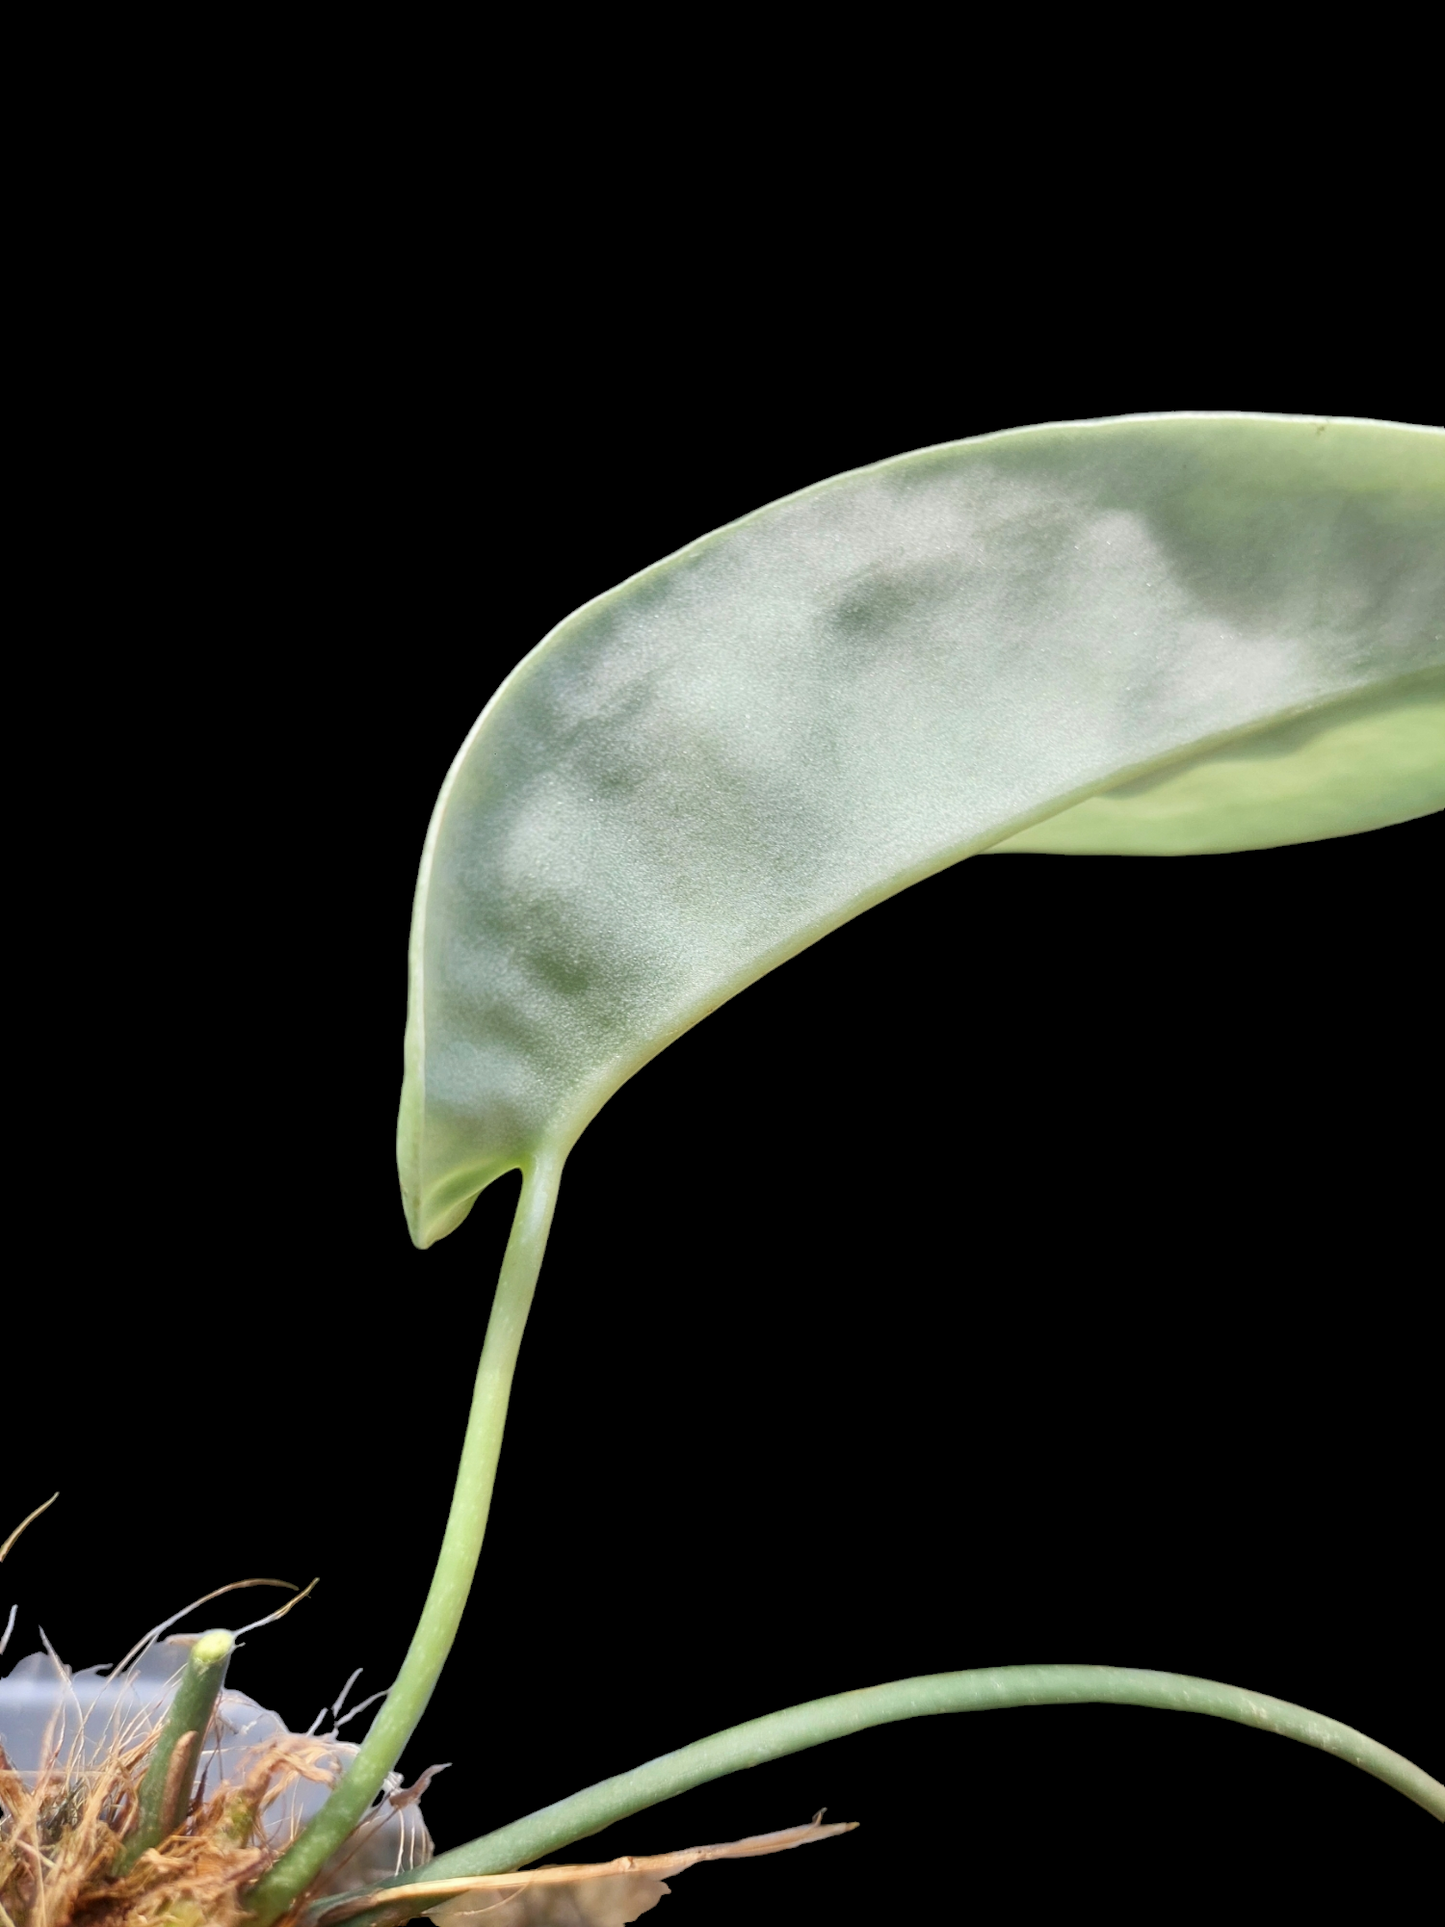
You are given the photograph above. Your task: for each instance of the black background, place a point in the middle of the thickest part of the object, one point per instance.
(1040, 1268)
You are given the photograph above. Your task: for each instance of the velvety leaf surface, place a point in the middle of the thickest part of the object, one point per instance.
(1234, 625)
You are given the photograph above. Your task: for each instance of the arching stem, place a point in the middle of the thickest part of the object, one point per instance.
(456, 1563)
(985, 1689)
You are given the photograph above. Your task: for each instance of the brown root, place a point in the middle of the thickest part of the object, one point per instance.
(61, 1831)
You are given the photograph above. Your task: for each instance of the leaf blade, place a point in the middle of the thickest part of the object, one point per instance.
(704, 770)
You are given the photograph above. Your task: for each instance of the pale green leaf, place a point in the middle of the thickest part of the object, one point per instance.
(1156, 634)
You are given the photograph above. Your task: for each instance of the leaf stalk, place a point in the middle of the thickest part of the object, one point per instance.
(981, 1690)
(358, 1787)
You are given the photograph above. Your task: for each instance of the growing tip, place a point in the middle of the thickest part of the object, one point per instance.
(213, 1648)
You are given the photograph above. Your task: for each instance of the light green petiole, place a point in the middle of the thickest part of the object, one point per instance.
(452, 1579)
(988, 1688)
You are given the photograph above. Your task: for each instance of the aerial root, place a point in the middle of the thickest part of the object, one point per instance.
(61, 1832)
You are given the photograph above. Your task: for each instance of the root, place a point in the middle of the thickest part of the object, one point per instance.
(61, 1835)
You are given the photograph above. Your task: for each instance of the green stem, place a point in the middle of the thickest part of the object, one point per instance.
(988, 1688)
(165, 1791)
(353, 1794)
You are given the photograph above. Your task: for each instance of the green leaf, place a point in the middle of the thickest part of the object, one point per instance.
(1157, 634)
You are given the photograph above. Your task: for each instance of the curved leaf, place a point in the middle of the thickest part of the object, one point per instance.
(1156, 634)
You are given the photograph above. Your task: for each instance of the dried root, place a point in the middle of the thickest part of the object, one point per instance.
(60, 1838)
